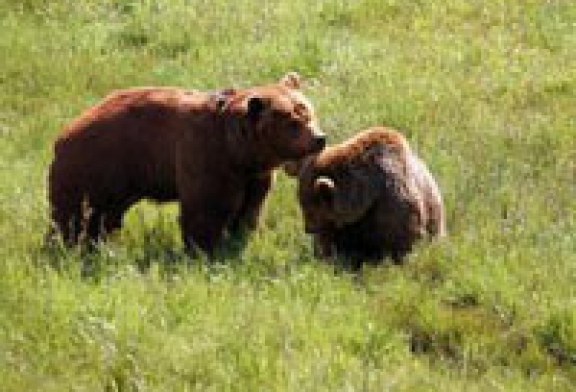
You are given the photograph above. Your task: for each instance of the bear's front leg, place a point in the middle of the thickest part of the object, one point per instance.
(324, 245)
(204, 223)
(255, 192)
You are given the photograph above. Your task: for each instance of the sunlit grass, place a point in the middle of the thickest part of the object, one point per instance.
(484, 91)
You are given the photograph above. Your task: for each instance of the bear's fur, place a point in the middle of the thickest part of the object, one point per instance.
(369, 197)
(213, 152)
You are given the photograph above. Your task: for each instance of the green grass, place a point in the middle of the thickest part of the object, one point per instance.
(484, 90)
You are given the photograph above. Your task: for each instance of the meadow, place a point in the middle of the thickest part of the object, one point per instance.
(484, 90)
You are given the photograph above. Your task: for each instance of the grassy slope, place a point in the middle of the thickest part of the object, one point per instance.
(484, 90)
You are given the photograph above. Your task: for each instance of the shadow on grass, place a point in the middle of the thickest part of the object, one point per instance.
(154, 248)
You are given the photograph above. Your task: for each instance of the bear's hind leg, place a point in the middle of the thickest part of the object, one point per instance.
(66, 224)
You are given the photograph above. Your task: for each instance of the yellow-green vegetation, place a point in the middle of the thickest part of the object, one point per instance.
(485, 92)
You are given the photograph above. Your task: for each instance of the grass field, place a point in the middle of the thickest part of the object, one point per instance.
(485, 92)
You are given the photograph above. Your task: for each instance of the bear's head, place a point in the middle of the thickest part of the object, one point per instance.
(338, 186)
(333, 195)
(277, 121)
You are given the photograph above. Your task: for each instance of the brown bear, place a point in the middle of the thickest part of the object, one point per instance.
(215, 153)
(368, 198)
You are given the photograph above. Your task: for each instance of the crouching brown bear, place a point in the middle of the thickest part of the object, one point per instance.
(215, 153)
(368, 198)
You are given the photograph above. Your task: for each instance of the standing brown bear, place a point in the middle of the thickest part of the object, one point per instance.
(369, 197)
(213, 152)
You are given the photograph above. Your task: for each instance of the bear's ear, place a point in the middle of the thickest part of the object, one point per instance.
(291, 80)
(324, 188)
(372, 154)
(256, 107)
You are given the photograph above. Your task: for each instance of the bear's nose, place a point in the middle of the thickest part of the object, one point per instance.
(319, 142)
